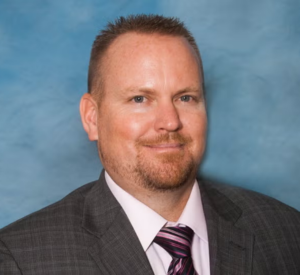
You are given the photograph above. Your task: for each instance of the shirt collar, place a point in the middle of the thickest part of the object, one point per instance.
(144, 220)
(147, 223)
(193, 214)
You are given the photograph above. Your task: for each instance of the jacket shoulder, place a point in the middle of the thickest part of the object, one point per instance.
(49, 241)
(255, 209)
(273, 225)
(64, 212)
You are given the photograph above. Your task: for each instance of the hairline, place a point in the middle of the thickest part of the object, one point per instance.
(98, 91)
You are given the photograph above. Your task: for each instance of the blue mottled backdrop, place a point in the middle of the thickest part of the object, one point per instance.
(251, 54)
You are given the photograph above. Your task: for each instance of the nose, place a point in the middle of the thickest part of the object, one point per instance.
(167, 118)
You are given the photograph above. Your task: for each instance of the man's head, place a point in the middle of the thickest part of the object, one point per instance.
(149, 119)
(143, 24)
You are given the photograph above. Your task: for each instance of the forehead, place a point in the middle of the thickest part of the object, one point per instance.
(131, 44)
(140, 41)
(149, 54)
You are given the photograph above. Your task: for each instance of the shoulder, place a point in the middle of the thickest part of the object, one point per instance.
(66, 212)
(246, 199)
(250, 203)
(49, 240)
(256, 210)
(273, 226)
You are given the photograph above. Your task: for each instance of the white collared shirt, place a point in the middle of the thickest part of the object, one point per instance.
(147, 223)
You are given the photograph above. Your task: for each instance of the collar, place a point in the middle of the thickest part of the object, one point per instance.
(147, 223)
(193, 214)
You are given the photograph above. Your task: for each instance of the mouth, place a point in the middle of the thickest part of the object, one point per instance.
(165, 146)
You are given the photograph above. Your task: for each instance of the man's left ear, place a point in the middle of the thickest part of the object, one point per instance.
(88, 112)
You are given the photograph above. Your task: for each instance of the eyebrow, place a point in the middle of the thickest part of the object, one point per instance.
(193, 90)
(198, 90)
(141, 90)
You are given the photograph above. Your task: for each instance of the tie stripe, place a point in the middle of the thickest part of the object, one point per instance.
(177, 242)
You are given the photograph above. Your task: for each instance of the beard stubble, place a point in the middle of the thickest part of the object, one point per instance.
(162, 172)
(165, 171)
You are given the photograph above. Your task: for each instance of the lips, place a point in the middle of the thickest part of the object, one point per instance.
(165, 145)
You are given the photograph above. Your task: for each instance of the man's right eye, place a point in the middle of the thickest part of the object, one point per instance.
(139, 99)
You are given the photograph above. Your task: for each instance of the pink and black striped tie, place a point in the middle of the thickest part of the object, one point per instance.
(177, 242)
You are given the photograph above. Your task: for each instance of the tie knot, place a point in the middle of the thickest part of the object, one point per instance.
(176, 240)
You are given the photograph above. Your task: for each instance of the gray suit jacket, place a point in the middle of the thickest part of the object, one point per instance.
(88, 232)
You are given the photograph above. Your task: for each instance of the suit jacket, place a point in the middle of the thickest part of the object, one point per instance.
(88, 233)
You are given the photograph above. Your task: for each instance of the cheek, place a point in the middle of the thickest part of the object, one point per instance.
(195, 127)
(129, 128)
(200, 128)
(195, 124)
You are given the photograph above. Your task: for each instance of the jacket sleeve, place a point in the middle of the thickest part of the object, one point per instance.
(8, 265)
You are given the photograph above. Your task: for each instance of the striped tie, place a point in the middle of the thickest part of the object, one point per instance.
(177, 242)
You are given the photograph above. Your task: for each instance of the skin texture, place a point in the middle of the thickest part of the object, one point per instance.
(150, 124)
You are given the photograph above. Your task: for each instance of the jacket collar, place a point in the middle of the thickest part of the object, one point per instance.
(116, 249)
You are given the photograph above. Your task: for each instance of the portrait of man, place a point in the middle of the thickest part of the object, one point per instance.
(148, 213)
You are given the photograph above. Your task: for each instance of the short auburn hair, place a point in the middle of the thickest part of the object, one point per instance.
(141, 23)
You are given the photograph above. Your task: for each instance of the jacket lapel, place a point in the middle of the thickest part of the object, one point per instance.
(231, 248)
(116, 249)
(113, 242)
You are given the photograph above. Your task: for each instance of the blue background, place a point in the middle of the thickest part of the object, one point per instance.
(251, 55)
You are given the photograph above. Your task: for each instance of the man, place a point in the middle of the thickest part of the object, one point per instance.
(147, 214)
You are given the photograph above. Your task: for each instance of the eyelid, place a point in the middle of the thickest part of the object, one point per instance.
(191, 97)
(136, 96)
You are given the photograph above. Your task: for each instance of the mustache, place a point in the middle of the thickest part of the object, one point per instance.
(165, 138)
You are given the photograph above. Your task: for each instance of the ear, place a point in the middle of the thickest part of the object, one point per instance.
(89, 112)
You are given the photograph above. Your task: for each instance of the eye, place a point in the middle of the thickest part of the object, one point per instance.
(139, 99)
(185, 98)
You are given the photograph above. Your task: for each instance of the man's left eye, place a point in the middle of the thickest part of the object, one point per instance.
(139, 99)
(185, 98)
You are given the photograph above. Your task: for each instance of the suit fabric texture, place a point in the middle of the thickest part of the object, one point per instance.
(88, 233)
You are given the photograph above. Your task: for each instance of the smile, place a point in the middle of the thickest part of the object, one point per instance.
(165, 146)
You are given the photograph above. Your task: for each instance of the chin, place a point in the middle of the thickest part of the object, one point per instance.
(166, 175)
